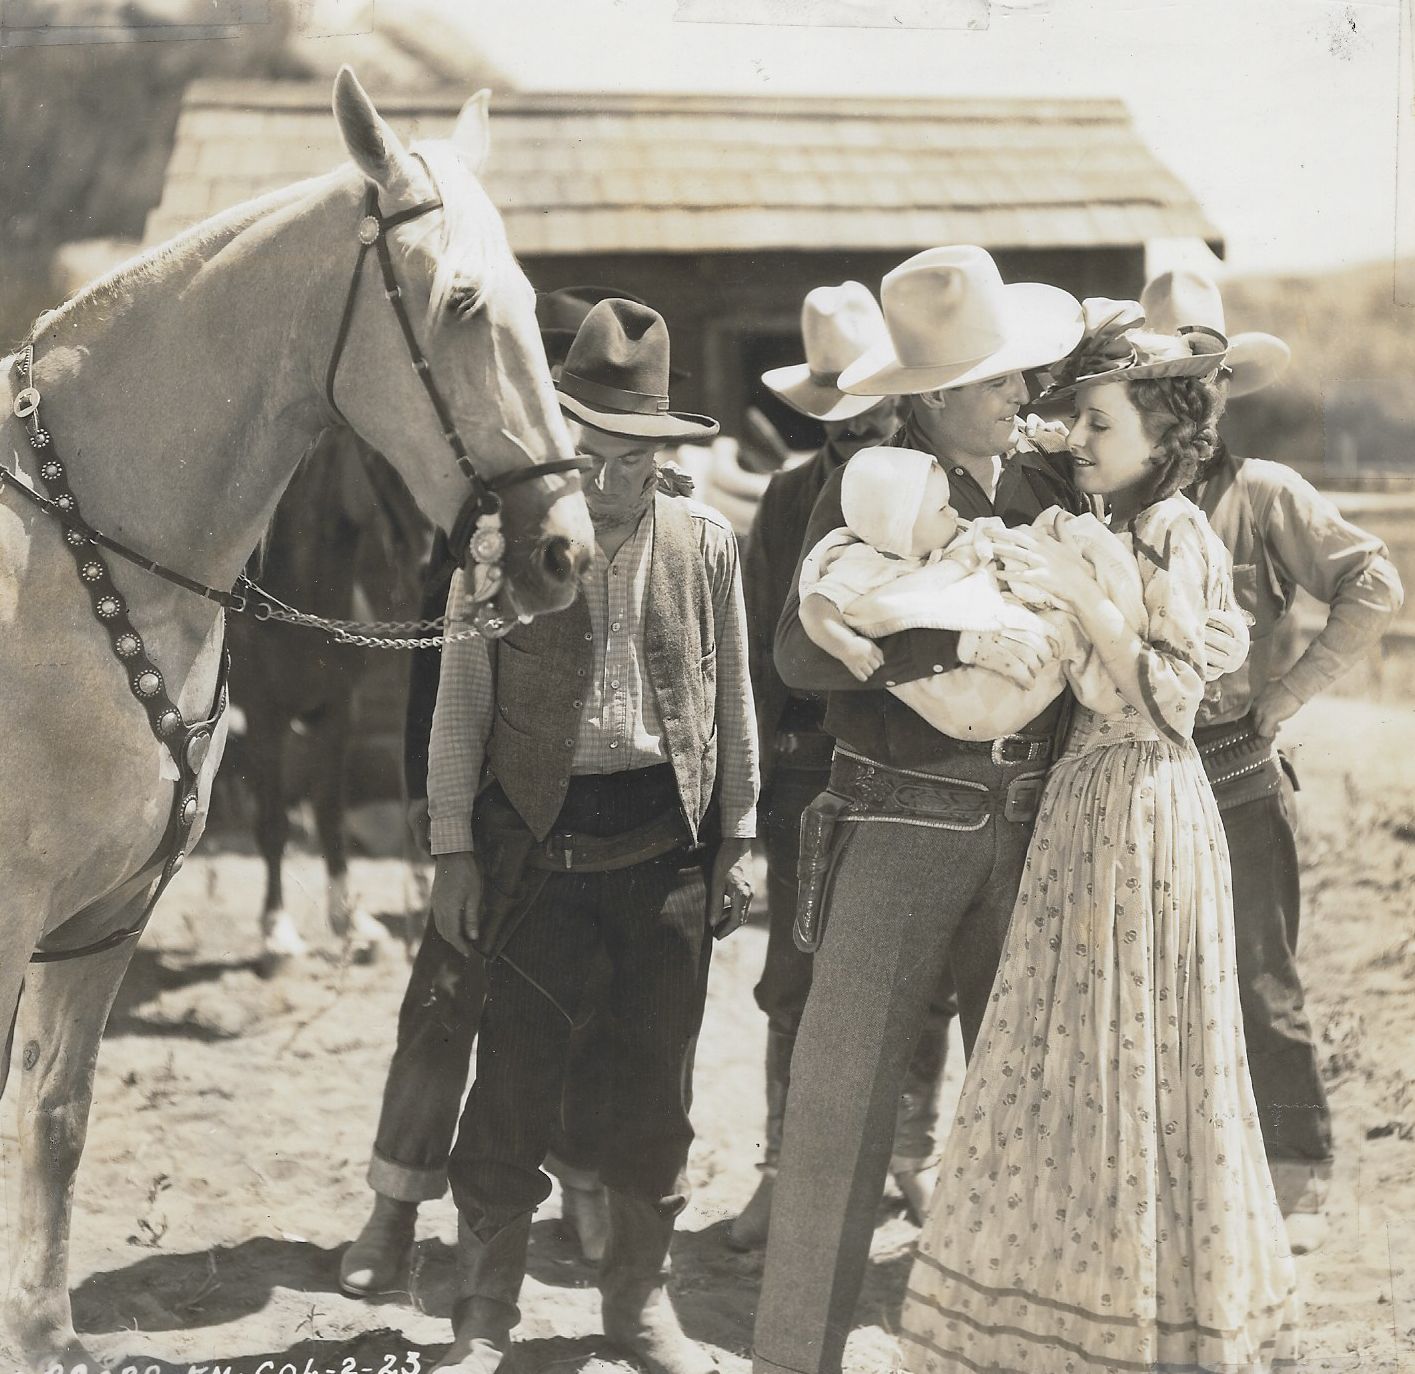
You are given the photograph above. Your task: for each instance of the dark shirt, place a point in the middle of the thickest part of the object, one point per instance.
(769, 560)
(863, 715)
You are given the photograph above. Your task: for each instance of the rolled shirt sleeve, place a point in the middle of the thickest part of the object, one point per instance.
(461, 726)
(1348, 569)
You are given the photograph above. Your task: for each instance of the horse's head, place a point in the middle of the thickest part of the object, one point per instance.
(471, 312)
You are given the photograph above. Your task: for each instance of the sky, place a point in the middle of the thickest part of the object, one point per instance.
(1280, 117)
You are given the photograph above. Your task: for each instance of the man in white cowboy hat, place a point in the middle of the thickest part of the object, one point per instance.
(932, 879)
(1283, 535)
(838, 325)
(577, 767)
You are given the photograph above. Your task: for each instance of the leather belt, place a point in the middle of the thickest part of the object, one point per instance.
(568, 851)
(911, 797)
(1241, 766)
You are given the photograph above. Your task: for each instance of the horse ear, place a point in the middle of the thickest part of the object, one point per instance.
(372, 144)
(471, 135)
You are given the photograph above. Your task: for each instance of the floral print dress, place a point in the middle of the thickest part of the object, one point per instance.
(1104, 1202)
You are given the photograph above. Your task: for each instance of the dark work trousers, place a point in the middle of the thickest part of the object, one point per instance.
(786, 976)
(651, 922)
(427, 1077)
(904, 899)
(1282, 1053)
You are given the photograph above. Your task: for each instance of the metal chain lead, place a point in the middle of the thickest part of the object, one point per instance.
(363, 634)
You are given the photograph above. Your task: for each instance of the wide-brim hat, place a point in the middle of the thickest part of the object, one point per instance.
(838, 325)
(952, 322)
(1188, 297)
(615, 376)
(1118, 346)
(560, 313)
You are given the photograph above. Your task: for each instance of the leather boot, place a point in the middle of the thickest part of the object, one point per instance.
(638, 1316)
(749, 1230)
(489, 1278)
(376, 1260)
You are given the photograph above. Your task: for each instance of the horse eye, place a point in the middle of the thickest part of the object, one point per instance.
(464, 301)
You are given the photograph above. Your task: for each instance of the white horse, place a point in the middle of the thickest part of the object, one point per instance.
(180, 392)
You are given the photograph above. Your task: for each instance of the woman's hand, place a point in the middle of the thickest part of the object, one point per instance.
(1048, 570)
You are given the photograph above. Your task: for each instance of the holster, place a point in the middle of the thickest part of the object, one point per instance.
(1023, 797)
(818, 826)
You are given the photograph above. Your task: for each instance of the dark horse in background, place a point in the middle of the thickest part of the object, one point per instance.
(347, 542)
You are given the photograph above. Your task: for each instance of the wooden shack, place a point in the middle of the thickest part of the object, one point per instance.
(723, 210)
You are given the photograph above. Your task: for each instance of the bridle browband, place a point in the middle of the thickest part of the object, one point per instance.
(476, 530)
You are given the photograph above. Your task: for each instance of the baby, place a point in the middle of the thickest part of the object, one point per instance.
(906, 560)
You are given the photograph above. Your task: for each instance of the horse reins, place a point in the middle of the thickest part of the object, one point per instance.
(476, 533)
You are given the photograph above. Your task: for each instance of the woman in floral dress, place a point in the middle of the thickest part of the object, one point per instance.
(1104, 1202)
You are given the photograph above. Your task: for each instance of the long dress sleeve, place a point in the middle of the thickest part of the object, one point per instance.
(1186, 576)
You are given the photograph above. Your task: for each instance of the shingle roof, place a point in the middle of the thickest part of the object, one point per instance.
(693, 173)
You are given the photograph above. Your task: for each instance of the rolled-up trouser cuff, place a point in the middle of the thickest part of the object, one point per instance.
(403, 1183)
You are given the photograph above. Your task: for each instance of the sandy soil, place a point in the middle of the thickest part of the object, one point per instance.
(225, 1159)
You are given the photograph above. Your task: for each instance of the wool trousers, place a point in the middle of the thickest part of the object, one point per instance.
(904, 899)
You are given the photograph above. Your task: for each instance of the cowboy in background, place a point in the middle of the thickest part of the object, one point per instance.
(931, 874)
(577, 767)
(838, 325)
(437, 1021)
(1283, 534)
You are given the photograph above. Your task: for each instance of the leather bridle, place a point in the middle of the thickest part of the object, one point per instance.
(476, 534)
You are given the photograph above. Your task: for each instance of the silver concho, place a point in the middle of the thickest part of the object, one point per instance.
(148, 683)
(169, 720)
(189, 808)
(127, 645)
(108, 607)
(488, 545)
(368, 230)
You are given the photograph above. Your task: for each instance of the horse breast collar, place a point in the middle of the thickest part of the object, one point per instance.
(188, 744)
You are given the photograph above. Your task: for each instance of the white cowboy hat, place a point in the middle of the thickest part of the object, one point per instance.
(838, 325)
(952, 322)
(1187, 297)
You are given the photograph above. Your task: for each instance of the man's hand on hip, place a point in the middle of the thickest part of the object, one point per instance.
(730, 891)
(456, 899)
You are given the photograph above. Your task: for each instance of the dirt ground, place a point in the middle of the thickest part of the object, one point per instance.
(233, 1118)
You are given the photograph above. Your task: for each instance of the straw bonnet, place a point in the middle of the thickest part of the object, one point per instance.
(1117, 346)
(615, 376)
(838, 325)
(1174, 299)
(952, 322)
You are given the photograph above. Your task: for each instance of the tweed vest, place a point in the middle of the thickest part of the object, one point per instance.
(541, 671)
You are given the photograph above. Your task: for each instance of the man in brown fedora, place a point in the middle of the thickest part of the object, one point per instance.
(838, 325)
(1283, 535)
(577, 766)
(437, 1021)
(933, 877)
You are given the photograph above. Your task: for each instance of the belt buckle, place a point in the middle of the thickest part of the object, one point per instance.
(999, 751)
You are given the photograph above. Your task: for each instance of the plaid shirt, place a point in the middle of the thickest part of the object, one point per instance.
(620, 726)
